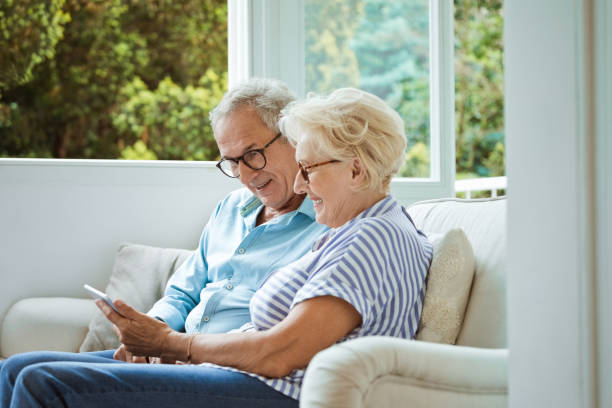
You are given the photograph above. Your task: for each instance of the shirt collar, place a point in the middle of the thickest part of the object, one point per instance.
(251, 203)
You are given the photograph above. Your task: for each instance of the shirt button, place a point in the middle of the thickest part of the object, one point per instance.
(229, 286)
(206, 318)
(241, 251)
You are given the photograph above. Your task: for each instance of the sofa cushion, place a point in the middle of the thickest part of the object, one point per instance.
(448, 287)
(139, 278)
(484, 223)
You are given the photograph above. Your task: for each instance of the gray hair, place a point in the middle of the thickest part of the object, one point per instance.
(267, 96)
(347, 124)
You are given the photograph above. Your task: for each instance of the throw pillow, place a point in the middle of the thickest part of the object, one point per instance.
(139, 278)
(448, 287)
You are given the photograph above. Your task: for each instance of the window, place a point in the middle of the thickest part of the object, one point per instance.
(381, 47)
(279, 39)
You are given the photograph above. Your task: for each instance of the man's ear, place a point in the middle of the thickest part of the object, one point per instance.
(358, 173)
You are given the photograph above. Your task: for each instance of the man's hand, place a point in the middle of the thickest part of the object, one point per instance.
(142, 335)
(123, 355)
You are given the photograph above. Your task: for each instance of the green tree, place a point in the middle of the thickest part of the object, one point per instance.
(330, 61)
(479, 93)
(171, 122)
(417, 161)
(392, 46)
(29, 32)
(379, 46)
(66, 109)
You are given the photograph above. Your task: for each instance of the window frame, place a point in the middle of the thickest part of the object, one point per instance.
(266, 39)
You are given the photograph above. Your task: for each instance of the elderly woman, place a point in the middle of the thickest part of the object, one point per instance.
(366, 276)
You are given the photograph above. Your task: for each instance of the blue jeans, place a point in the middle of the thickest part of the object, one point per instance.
(56, 379)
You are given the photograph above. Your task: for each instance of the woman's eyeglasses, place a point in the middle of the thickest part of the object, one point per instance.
(304, 169)
(254, 159)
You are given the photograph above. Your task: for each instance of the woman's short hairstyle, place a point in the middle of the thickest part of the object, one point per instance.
(348, 124)
(267, 96)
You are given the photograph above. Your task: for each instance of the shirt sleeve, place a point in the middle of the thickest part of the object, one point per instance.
(183, 289)
(354, 271)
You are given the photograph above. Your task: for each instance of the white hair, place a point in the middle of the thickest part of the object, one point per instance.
(348, 124)
(267, 96)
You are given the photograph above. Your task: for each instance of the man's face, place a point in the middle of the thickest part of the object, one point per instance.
(242, 131)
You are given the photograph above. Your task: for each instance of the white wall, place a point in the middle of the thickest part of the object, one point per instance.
(61, 221)
(551, 149)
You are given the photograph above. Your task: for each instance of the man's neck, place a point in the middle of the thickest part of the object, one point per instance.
(269, 213)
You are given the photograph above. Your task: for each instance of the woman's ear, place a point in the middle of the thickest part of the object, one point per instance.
(358, 175)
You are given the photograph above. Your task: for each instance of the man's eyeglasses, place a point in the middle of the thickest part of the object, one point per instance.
(254, 159)
(304, 169)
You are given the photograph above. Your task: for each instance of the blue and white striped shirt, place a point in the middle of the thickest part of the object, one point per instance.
(377, 262)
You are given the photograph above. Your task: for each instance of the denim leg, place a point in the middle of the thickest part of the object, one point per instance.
(73, 384)
(12, 367)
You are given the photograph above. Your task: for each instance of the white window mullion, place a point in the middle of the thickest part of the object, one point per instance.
(239, 41)
(266, 39)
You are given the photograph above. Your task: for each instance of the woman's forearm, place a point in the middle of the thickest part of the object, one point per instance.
(256, 352)
(276, 352)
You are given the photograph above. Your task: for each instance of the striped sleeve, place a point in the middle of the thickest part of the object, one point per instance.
(357, 273)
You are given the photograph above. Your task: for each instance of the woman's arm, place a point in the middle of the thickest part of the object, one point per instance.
(310, 327)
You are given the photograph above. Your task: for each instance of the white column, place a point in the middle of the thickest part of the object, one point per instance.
(551, 223)
(603, 70)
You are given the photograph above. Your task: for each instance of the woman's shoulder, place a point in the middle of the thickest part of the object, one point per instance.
(387, 224)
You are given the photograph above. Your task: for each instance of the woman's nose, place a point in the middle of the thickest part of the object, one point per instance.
(299, 184)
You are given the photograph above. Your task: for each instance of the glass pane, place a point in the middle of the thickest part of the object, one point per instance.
(479, 97)
(111, 78)
(381, 47)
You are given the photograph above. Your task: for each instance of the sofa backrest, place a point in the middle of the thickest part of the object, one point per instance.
(484, 222)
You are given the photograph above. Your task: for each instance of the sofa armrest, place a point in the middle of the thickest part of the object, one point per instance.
(52, 323)
(386, 371)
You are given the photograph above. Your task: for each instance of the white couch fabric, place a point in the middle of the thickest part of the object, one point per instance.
(382, 372)
(46, 323)
(484, 223)
(390, 372)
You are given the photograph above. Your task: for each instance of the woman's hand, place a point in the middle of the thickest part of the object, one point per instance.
(142, 335)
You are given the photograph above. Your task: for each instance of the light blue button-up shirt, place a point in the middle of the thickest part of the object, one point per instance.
(211, 291)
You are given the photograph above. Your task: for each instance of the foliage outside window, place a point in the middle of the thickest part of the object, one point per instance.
(111, 78)
(479, 88)
(379, 46)
(383, 47)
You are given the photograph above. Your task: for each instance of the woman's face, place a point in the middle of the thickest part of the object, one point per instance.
(329, 187)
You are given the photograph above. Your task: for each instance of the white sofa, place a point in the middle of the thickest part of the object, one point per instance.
(366, 372)
(387, 372)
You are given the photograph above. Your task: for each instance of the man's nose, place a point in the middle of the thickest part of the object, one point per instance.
(246, 173)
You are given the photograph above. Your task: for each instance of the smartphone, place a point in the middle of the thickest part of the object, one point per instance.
(98, 294)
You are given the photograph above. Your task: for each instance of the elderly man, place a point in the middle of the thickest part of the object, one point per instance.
(252, 232)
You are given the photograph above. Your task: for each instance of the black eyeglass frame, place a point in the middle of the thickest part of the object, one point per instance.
(304, 169)
(241, 158)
